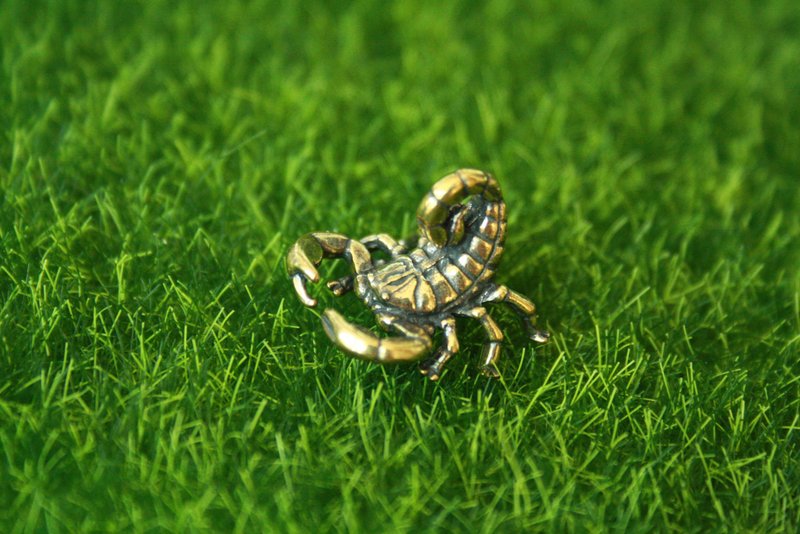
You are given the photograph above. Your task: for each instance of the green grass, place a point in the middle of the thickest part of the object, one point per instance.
(158, 158)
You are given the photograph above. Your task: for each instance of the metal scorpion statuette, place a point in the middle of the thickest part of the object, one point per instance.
(462, 228)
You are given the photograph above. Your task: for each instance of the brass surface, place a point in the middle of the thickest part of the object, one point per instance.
(447, 272)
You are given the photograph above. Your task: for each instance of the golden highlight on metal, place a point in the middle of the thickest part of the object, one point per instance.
(425, 285)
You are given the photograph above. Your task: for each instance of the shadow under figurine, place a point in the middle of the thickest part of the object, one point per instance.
(462, 228)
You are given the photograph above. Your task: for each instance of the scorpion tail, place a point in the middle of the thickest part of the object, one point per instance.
(365, 345)
(434, 210)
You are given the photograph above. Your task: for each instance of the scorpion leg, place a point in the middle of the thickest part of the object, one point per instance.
(383, 242)
(491, 350)
(363, 344)
(524, 307)
(433, 367)
(409, 242)
(342, 286)
(308, 252)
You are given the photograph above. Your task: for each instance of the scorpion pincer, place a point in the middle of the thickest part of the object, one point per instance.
(448, 274)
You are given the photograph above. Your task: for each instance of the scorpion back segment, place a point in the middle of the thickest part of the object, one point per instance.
(448, 275)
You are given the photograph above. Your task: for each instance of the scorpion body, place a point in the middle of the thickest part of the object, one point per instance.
(462, 228)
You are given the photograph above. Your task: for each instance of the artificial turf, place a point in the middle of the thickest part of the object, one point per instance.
(157, 159)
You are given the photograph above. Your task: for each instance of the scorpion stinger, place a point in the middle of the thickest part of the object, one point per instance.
(462, 227)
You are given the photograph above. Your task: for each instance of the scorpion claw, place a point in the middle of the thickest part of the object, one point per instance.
(301, 262)
(299, 281)
(304, 256)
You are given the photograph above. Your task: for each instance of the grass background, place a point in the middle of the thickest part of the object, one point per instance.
(157, 159)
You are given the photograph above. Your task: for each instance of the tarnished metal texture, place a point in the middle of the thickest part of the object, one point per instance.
(448, 273)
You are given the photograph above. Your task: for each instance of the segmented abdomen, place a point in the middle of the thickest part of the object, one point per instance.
(452, 271)
(432, 276)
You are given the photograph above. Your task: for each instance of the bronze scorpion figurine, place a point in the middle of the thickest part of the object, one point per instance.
(462, 228)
